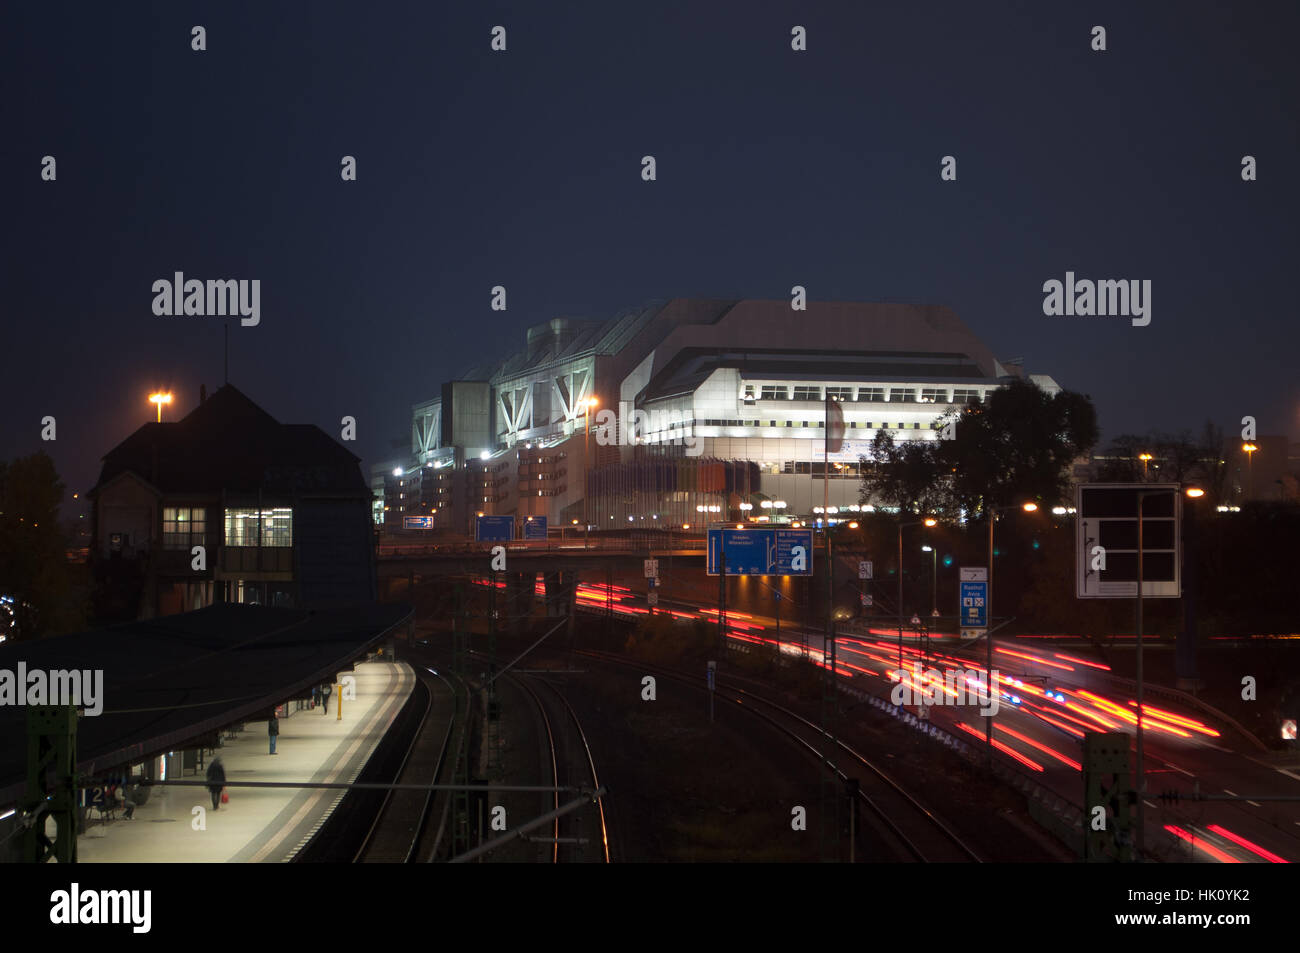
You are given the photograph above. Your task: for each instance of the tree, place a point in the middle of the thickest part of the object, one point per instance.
(1175, 458)
(34, 570)
(907, 475)
(1019, 444)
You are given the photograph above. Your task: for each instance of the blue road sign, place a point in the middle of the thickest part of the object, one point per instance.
(974, 602)
(417, 522)
(494, 529)
(761, 551)
(535, 528)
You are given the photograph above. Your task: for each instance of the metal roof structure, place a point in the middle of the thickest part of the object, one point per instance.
(170, 680)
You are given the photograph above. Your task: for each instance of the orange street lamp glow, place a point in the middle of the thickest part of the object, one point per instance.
(1195, 492)
(931, 521)
(1030, 507)
(160, 399)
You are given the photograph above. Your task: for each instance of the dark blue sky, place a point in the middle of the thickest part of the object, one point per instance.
(775, 168)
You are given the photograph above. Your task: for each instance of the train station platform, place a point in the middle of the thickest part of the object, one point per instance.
(260, 824)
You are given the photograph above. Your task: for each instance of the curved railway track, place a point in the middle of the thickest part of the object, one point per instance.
(523, 683)
(591, 767)
(918, 831)
(402, 820)
(519, 683)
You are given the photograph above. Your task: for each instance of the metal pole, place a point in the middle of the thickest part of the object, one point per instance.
(722, 588)
(1141, 779)
(900, 598)
(586, 476)
(523, 829)
(830, 605)
(988, 673)
(934, 580)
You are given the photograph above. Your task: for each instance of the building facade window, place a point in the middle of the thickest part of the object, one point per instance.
(184, 526)
(872, 394)
(934, 395)
(773, 392)
(807, 393)
(906, 395)
(243, 525)
(961, 396)
(839, 393)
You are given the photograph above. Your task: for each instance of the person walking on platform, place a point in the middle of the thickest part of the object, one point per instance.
(273, 730)
(216, 780)
(326, 691)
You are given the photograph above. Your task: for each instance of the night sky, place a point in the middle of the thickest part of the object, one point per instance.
(523, 169)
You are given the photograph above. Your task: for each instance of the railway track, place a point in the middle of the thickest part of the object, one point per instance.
(545, 721)
(917, 832)
(401, 824)
(591, 769)
(565, 829)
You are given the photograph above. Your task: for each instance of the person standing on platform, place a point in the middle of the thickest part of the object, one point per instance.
(326, 691)
(273, 730)
(216, 780)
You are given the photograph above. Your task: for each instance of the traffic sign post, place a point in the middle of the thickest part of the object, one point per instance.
(417, 522)
(865, 569)
(652, 568)
(535, 527)
(1129, 546)
(973, 597)
(1110, 544)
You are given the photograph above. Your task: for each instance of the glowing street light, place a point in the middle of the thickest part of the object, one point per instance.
(160, 399)
(1144, 457)
(586, 406)
(1250, 449)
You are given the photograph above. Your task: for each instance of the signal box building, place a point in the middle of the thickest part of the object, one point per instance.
(230, 505)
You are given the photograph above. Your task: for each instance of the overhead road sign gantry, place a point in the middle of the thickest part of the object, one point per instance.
(761, 551)
(1106, 551)
(494, 529)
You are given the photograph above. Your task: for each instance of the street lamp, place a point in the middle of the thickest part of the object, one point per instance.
(934, 579)
(587, 404)
(993, 512)
(1250, 449)
(928, 521)
(1144, 457)
(160, 399)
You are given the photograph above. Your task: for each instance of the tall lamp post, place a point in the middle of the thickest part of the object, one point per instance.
(587, 404)
(928, 521)
(1140, 767)
(934, 579)
(993, 512)
(1250, 449)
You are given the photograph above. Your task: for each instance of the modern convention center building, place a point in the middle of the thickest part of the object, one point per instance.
(684, 412)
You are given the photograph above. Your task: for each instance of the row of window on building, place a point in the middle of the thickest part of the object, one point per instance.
(814, 424)
(818, 468)
(906, 395)
(186, 526)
